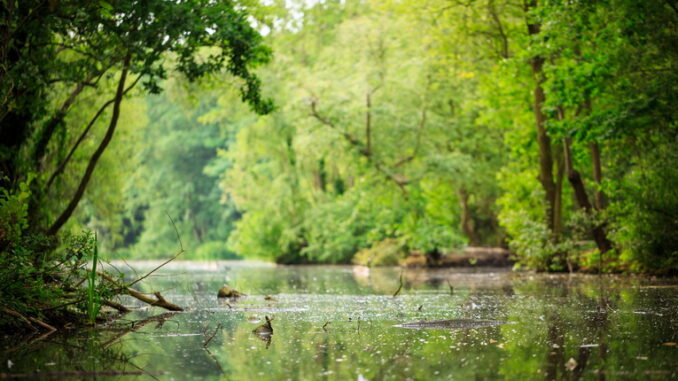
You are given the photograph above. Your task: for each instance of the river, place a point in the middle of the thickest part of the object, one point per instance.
(343, 323)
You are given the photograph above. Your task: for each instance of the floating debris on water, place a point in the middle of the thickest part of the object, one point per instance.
(229, 292)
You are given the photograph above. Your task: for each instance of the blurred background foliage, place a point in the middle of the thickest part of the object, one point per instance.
(408, 125)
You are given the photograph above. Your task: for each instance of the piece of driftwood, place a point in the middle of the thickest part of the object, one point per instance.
(159, 300)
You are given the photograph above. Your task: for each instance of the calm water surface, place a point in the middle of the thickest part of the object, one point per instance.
(339, 323)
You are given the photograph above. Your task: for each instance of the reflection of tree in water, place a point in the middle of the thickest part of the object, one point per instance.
(572, 327)
(81, 353)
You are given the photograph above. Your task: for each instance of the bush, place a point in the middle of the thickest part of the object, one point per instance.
(389, 252)
(38, 277)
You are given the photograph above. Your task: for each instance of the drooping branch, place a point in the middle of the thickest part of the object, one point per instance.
(401, 183)
(62, 166)
(47, 131)
(66, 214)
(350, 138)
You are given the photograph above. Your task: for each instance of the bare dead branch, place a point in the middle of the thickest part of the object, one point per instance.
(159, 301)
(204, 345)
(117, 306)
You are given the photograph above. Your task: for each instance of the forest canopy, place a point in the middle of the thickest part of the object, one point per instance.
(375, 129)
(425, 126)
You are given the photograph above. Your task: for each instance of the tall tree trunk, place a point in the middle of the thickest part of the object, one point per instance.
(543, 140)
(66, 214)
(467, 220)
(600, 201)
(599, 235)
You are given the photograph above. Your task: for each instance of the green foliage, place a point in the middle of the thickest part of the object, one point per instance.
(93, 301)
(389, 252)
(401, 121)
(342, 165)
(35, 277)
(21, 286)
(213, 250)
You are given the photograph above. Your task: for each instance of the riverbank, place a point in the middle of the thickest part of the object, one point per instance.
(468, 257)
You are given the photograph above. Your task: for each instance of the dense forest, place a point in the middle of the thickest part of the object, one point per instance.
(420, 126)
(335, 131)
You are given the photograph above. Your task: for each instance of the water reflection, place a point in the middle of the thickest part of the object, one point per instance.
(338, 323)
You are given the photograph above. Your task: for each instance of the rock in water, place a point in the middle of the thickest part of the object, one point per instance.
(451, 324)
(229, 292)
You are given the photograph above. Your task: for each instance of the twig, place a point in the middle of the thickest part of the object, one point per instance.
(400, 286)
(215, 360)
(450, 286)
(181, 251)
(131, 268)
(325, 325)
(28, 320)
(362, 150)
(204, 345)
